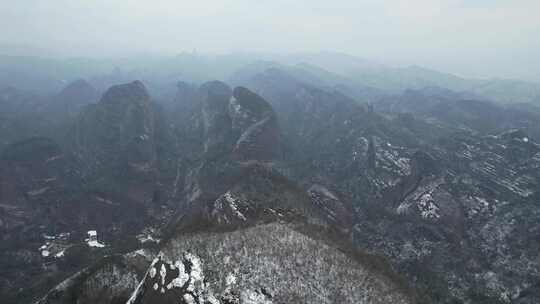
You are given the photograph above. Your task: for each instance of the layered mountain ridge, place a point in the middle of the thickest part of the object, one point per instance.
(249, 219)
(247, 195)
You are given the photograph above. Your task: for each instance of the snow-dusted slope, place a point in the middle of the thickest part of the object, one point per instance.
(270, 263)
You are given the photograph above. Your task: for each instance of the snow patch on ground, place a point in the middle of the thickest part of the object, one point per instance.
(182, 278)
(147, 254)
(163, 274)
(327, 193)
(55, 245)
(194, 279)
(232, 203)
(95, 244)
(427, 206)
(230, 280)
(403, 208)
(145, 238)
(36, 192)
(189, 299)
(196, 274)
(212, 299)
(253, 297)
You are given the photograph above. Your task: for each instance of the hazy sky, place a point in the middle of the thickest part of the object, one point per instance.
(469, 37)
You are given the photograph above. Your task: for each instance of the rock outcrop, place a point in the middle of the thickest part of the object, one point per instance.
(115, 137)
(217, 122)
(255, 124)
(239, 127)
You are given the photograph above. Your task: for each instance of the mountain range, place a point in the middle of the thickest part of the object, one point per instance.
(282, 184)
(331, 69)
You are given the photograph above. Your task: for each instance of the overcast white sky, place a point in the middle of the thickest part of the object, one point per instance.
(498, 38)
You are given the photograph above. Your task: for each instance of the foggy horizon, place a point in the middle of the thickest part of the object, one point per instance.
(475, 39)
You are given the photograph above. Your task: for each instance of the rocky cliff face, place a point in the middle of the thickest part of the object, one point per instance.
(239, 127)
(217, 123)
(255, 124)
(113, 140)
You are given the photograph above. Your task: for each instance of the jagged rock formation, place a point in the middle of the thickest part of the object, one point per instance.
(256, 123)
(330, 134)
(114, 139)
(217, 123)
(239, 128)
(241, 121)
